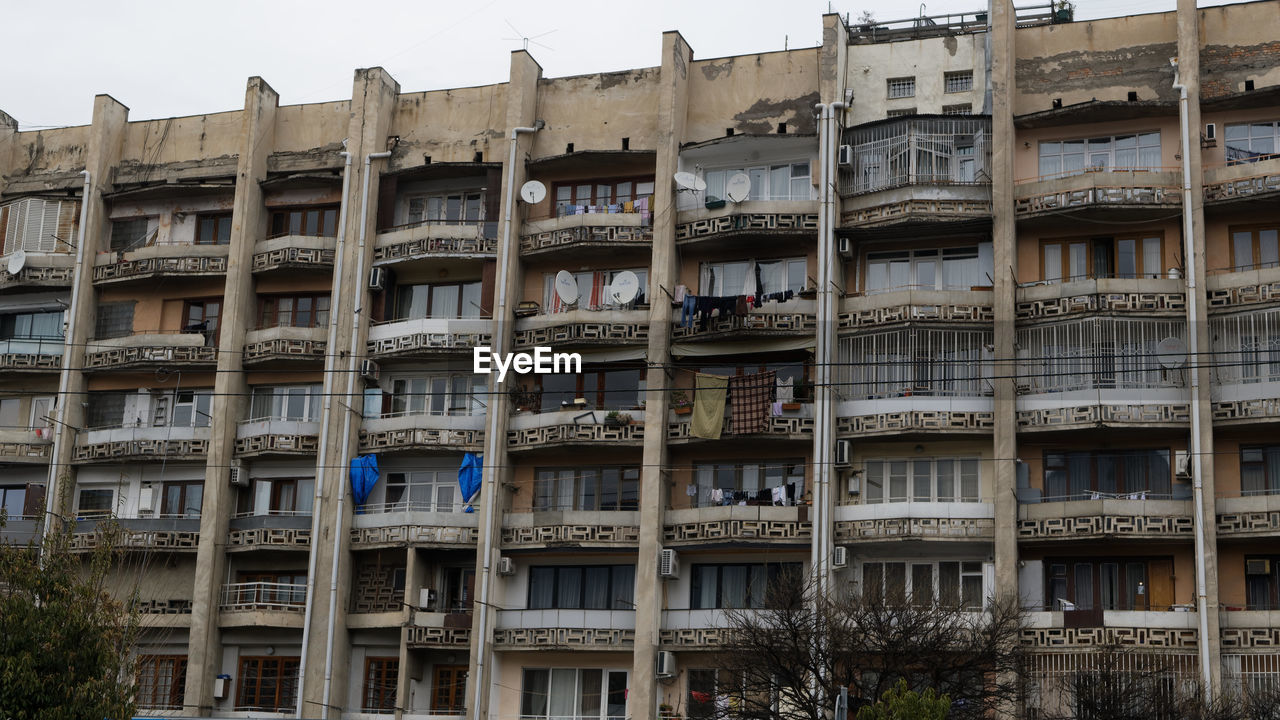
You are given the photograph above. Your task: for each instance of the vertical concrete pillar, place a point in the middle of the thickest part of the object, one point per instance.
(230, 391)
(415, 577)
(522, 106)
(650, 591)
(1189, 75)
(8, 129)
(373, 102)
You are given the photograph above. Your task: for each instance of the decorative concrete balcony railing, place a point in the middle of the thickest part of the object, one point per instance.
(1133, 516)
(1144, 296)
(565, 629)
(40, 270)
(1232, 287)
(285, 345)
(1123, 629)
(26, 446)
(791, 425)
(1249, 515)
(923, 306)
(917, 414)
(751, 219)
(411, 525)
(1139, 192)
(31, 355)
(571, 529)
(572, 428)
(574, 233)
(428, 337)
(1246, 181)
(264, 603)
(275, 530)
(146, 350)
(690, 629)
(436, 636)
(294, 252)
(1137, 407)
(794, 318)
(131, 444)
(738, 523)
(19, 530)
(423, 432)
(583, 328)
(467, 239)
(276, 436)
(162, 260)
(145, 534)
(950, 521)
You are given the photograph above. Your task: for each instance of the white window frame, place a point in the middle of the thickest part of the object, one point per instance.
(711, 276)
(1240, 150)
(900, 87)
(924, 361)
(417, 395)
(884, 470)
(433, 208)
(980, 572)
(1097, 354)
(32, 223)
(436, 491)
(957, 81)
(575, 711)
(281, 395)
(1098, 154)
(798, 180)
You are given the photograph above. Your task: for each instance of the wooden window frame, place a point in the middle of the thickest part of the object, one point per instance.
(185, 485)
(455, 700)
(281, 700)
(1254, 231)
(578, 478)
(1090, 273)
(1094, 455)
(595, 184)
(285, 225)
(269, 312)
(1126, 603)
(211, 336)
(381, 683)
(148, 694)
(219, 219)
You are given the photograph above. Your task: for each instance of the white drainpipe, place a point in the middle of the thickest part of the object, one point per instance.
(820, 368)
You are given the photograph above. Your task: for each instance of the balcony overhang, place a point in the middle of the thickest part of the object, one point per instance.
(591, 161)
(1096, 111)
(175, 188)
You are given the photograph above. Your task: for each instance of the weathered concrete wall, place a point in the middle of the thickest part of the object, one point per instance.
(927, 60)
(1238, 43)
(449, 126)
(594, 112)
(752, 94)
(41, 159)
(203, 144)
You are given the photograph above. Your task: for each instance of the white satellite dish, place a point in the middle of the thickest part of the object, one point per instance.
(624, 288)
(533, 192)
(1171, 352)
(738, 187)
(566, 287)
(689, 181)
(17, 261)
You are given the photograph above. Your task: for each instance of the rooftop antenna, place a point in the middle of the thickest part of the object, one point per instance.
(526, 39)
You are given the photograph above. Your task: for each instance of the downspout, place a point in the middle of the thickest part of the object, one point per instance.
(68, 347)
(820, 366)
(827, 325)
(353, 369)
(1193, 347)
(489, 469)
(324, 426)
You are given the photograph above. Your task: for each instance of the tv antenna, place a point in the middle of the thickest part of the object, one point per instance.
(526, 39)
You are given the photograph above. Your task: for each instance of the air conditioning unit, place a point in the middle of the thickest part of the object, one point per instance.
(845, 246)
(369, 370)
(1210, 132)
(147, 499)
(426, 599)
(1257, 567)
(238, 475)
(669, 564)
(1182, 464)
(378, 278)
(506, 566)
(844, 449)
(845, 156)
(666, 664)
(840, 557)
(221, 687)
(855, 484)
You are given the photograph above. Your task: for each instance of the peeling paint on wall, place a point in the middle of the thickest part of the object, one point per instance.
(764, 113)
(1105, 74)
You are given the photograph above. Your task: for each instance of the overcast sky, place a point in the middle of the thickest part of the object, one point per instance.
(166, 57)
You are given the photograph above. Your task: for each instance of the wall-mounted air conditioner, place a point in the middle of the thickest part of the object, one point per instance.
(506, 566)
(1182, 464)
(378, 278)
(369, 370)
(237, 474)
(855, 484)
(844, 246)
(1257, 567)
(845, 155)
(666, 664)
(669, 564)
(840, 557)
(1210, 132)
(147, 499)
(844, 450)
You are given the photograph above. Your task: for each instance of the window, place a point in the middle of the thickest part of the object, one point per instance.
(960, 268)
(587, 488)
(1260, 470)
(35, 225)
(191, 408)
(32, 332)
(964, 109)
(1254, 248)
(593, 291)
(448, 690)
(299, 403)
(11, 413)
(928, 150)
(720, 694)
(273, 589)
(921, 480)
(381, 677)
(903, 87)
(602, 389)
(133, 233)
(782, 181)
(162, 681)
(1113, 152)
(727, 279)
(1246, 347)
(305, 311)
(454, 207)
(1081, 475)
(268, 683)
(182, 499)
(949, 583)
(591, 587)
(452, 394)
(747, 483)
(1251, 142)
(113, 320)
(914, 361)
(1122, 583)
(573, 694)
(459, 588)
(602, 195)
(1262, 582)
(441, 301)
(13, 499)
(319, 221)
(277, 496)
(426, 491)
(736, 586)
(95, 502)
(1135, 256)
(202, 317)
(959, 81)
(1097, 353)
(213, 229)
(902, 112)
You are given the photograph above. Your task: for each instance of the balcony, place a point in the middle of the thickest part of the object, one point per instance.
(284, 346)
(431, 633)
(264, 437)
(294, 252)
(1172, 629)
(427, 337)
(760, 222)
(565, 629)
(20, 530)
(573, 428)
(790, 425)
(436, 239)
(946, 521)
(584, 328)
(135, 444)
(738, 525)
(26, 446)
(694, 629)
(168, 260)
(1044, 300)
(274, 530)
(28, 355)
(571, 529)
(603, 229)
(1129, 516)
(796, 317)
(1242, 185)
(422, 433)
(151, 350)
(262, 604)
(145, 534)
(1254, 515)
(414, 524)
(1118, 195)
(40, 270)
(912, 305)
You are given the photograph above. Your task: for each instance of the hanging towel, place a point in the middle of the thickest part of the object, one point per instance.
(751, 396)
(708, 405)
(776, 409)
(691, 490)
(469, 478)
(749, 285)
(786, 389)
(717, 495)
(779, 495)
(364, 475)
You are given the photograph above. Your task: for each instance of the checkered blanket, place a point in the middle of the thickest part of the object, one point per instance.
(750, 397)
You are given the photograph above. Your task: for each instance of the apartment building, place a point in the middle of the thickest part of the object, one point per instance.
(988, 325)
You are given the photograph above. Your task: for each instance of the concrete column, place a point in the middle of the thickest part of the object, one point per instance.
(230, 391)
(522, 106)
(1189, 74)
(650, 591)
(373, 102)
(8, 129)
(414, 578)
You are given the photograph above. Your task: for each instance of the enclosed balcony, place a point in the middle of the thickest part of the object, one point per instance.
(561, 629)
(916, 498)
(1246, 368)
(152, 259)
(34, 226)
(1249, 174)
(419, 505)
(438, 210)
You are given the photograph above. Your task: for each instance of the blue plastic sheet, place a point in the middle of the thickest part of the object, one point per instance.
(469, 478)
(364, 475)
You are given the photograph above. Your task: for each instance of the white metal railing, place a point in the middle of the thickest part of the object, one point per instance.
(918, 151)
(270, 513)
(444, 506)
(1099, 353)
(263, 596)
(914, 361)
(1246, 347)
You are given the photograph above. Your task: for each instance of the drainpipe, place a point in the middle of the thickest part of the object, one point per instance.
(830, 303)
(324, 426)
(821, 368)
(1193, 347)
(68, 347)
(489, 493)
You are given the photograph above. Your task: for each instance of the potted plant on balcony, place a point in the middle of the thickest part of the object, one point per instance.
(617, 419)
(680, 403)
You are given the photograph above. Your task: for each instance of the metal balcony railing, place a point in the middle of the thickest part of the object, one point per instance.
(263, 596)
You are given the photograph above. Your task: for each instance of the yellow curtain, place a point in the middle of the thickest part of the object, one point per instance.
(708, 405)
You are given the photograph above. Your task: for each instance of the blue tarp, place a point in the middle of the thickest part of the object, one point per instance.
(364, 475)
(469, 478)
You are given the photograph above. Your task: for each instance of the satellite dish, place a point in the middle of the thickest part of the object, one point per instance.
(1171, 352)
(17, 261)
(533, 192)
(738, 187)
(625, 287)
(689, 181)
(566, 287)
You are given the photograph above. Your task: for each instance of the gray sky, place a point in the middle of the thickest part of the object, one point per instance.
(166, 57)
